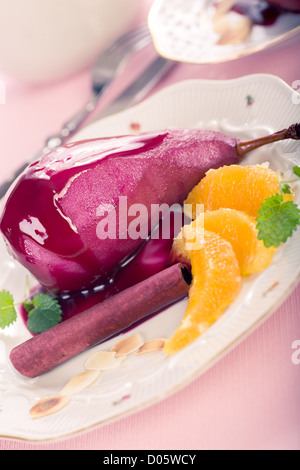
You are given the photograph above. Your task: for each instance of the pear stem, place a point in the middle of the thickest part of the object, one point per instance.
(293, 132)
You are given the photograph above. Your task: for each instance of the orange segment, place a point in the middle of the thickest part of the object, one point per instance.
(243, 188)
(216, 283)
(236, 227)
(240, 230)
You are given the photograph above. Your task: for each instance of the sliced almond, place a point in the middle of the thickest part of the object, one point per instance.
(223, 7)
(151, 346)
(221, 24)
(239, 31)
(48, 405)
(103, 360)
(79, 382)
(128, 345)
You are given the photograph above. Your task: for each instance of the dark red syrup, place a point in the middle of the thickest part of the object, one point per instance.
(152, 257)
(259, 12)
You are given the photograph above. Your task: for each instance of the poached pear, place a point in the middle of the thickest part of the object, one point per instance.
(57, 214)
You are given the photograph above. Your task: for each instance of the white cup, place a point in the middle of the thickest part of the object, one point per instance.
(44, 40)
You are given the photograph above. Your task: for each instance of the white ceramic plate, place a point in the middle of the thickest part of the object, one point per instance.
(182, 30)
(247, 107)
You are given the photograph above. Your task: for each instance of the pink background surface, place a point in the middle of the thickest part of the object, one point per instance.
(250, 398)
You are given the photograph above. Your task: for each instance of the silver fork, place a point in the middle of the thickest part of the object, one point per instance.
(104, 70)
(106, 67)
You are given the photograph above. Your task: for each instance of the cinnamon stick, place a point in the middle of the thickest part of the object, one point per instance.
(47, 350)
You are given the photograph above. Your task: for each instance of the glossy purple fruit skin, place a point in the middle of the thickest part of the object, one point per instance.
(51, 214)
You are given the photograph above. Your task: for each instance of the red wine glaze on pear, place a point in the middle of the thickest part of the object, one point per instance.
(51, 215)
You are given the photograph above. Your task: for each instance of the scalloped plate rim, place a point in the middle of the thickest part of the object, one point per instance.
(171, 90)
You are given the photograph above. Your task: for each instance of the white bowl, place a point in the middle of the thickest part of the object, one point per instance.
(50, 39)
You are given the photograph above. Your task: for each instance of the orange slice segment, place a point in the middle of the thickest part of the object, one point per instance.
(236, 227)
(239, 229)
(216, 283)
(243, 188)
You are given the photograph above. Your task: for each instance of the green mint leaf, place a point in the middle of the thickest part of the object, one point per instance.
(296, 170)
(45, 314)
(8, 314)
(277, 220)
(28, 305)
(285, 189)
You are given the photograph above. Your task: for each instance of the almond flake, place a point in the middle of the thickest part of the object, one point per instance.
(79, 382)
(223, 7)
(48, 405)
(103, 360)
(221, 24)
(237, 32)
(151, 346)
(128, 345)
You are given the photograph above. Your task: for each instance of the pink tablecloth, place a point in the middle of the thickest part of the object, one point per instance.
(250, 398)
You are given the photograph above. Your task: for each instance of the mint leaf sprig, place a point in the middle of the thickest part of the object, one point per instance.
(43, 311)
(278, 218)
(8, 313)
